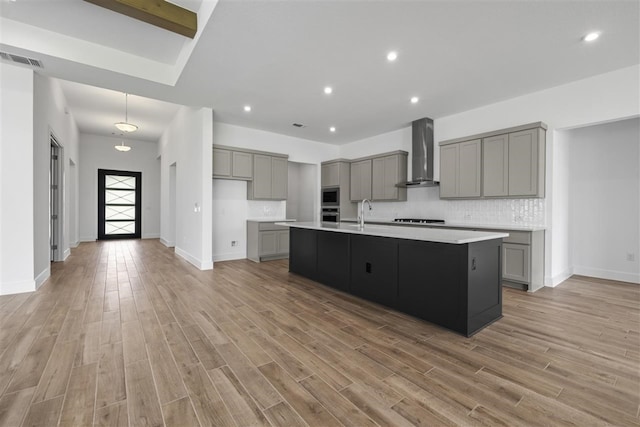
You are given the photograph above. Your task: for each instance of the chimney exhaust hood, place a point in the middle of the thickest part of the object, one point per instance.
(422, 155)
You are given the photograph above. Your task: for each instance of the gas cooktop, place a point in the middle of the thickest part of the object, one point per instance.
(419, 220)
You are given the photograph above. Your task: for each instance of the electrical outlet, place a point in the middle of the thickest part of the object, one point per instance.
(631, 257)
(234, 243)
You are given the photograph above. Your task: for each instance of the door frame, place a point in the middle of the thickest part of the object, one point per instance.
(102, 173)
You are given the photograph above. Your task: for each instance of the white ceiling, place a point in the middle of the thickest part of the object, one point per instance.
(278, 55)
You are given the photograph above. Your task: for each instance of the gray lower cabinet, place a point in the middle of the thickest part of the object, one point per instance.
(270, 178)
(515, 265)
(267, 241)
(232, 164)
(460, 170)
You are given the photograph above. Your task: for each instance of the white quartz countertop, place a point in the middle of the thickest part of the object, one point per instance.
(474, 226)
(270, 220)
(439, 235)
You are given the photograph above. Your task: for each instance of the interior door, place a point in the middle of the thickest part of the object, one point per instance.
(119, 204)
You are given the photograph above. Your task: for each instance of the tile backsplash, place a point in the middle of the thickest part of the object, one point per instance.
(426, 203)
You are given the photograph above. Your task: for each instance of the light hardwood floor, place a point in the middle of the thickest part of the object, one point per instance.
(127, 333)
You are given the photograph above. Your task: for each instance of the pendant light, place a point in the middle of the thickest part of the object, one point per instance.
(126, 126)
(122, 147)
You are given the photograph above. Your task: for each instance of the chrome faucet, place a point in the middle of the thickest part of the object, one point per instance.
(367, 201)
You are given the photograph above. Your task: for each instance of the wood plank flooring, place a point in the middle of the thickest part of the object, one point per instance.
(127, 333)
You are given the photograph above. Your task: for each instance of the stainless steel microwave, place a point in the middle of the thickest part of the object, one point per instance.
(331, 196)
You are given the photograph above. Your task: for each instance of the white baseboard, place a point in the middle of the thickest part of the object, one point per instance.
(229, 256)
(44, 275)
(621, 276)
(558, 278)
(202, 265)
(151, 236)
(74, 245)
(167, 243)
(66, 254)
(17, 287)
(88, 239)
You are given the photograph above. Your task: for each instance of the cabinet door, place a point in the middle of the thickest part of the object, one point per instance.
(449, 170)
(221, 162)
(361, 180)
(515, 262)
(279, 178)
(386, 172)
(374, 268)
(282, 237)
(242, 165)
(330, 175)
(495, 166)
(523, 163)
(261, 177)
(469, 168)
(268, 242)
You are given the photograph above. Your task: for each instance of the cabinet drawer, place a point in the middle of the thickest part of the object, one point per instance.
(521, 237)
(268, 226)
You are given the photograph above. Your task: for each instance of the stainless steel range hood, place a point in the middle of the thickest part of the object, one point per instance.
(422, 155)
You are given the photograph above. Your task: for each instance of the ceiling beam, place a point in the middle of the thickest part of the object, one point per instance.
(160, 13)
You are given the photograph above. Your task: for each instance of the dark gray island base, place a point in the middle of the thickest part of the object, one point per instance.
(457, 286)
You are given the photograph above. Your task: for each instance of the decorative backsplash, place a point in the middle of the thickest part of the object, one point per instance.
(426, 203)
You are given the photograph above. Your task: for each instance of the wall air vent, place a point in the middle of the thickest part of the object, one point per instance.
(21, 59)
(299, 125)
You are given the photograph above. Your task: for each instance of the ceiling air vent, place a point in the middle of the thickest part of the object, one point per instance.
(21, 59)
(299, 125)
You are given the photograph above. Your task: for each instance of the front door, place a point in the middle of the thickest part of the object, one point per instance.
(119, 204)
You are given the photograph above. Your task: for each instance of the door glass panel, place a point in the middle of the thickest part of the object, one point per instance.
(125, 197)
(116, 181)
(120, 212)
(120, 227)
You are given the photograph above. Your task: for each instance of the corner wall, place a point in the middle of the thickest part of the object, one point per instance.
(187, 143)
(16, 179)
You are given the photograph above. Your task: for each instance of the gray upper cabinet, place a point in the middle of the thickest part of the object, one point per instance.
(242, 165)
(460, 169)
(232, 164)
(388, 171)
(507, 163)
(495, 165)
(221, 163)
(330, 175)
(375, 177)
(270, 178)
(361, 180)
(524, 160)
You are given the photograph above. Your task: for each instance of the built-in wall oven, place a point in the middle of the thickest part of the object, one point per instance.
(330, 214)
(330, 196)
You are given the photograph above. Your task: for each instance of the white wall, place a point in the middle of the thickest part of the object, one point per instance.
(98, 152)
(50, 117)
(597, 99)
(16, 180)
(231, 208)
(604, 194)
(301, 198)
(187, 143)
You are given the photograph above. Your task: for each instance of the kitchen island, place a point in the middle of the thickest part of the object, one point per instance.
(448, 277)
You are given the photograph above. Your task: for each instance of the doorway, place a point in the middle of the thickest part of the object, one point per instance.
(119, 204)
(55, 199)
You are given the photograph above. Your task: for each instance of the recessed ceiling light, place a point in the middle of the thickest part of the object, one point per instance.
(392, 56)
(332, 129)
(328, 90)
(414, 99)
(247, 108)
(591, 36)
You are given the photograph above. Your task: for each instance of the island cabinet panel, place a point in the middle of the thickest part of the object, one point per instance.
(374, 268)
(333, 260)
(303, 252)
(431, 284)
(484, 298)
